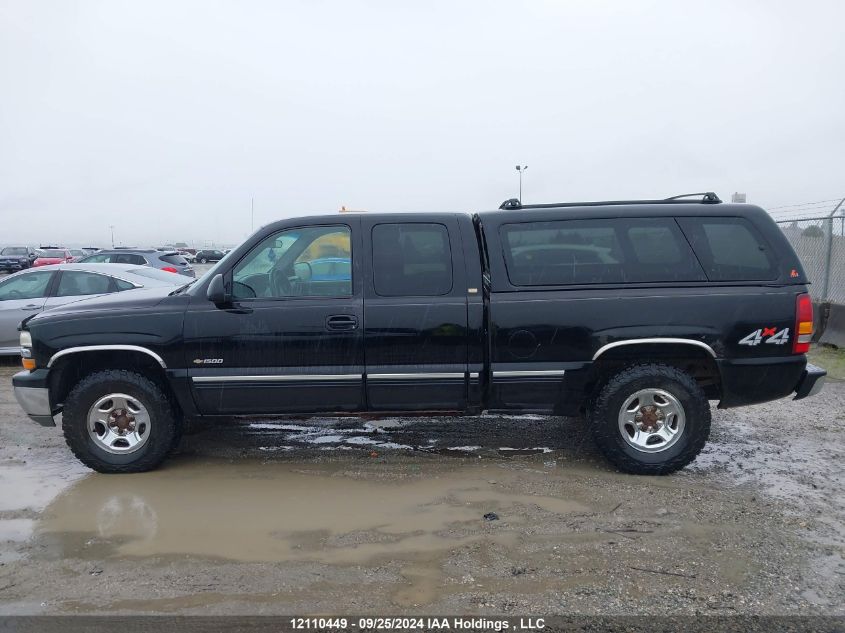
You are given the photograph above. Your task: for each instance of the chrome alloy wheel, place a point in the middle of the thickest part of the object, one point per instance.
(651, 420)
(119, 424)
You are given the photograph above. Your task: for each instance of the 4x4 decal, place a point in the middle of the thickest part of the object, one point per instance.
(774, 337)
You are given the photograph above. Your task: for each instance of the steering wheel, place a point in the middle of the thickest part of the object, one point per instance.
(15, 294)
(280, 283)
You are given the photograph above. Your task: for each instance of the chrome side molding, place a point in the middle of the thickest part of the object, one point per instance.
(644, 341)
(106, 348)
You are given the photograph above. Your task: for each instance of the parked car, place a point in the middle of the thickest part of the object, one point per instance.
(48, 255)
(169, 261)
(14, 258)
(634, 313)
(188, 255)
(78, 254)
(34, 290)
(207, 255)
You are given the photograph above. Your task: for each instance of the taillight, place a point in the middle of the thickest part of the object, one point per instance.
(170, 269)
(803, 324)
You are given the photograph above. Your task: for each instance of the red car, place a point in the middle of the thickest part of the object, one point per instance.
(49, 256)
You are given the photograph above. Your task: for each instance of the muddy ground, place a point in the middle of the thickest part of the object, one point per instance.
(388, 516)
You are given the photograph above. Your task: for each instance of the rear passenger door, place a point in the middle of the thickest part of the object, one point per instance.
(415, 315)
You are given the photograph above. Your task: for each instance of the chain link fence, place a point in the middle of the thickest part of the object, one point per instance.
(820, 245)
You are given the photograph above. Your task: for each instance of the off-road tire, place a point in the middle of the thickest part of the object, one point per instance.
(165, 425)
(603, 421)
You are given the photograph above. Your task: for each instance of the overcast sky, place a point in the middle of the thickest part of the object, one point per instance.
(165, 117)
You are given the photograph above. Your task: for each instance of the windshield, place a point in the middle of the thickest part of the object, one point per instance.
(13, 250)
(59, 254)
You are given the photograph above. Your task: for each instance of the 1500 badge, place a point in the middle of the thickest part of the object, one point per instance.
(208, 361)
(769, 333)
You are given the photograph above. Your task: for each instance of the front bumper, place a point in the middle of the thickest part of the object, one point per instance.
(811, 382)
(11, 265)
(33, 394)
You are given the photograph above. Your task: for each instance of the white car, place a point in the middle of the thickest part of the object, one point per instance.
(35, 289)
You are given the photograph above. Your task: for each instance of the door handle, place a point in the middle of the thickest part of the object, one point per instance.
(31, 307)
(341, 322)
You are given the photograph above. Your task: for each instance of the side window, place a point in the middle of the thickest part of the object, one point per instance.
(128, 258)
(76, 283)
(411, 260)
(27, 286)
(96, 259)
(730, 249)
(659, 252)
(303, 262)
(604, 251)
(562, 253)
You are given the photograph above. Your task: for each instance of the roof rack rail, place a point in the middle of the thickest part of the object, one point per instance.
(707, 197)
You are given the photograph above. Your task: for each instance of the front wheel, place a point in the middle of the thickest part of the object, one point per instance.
(118, 421)
(650, 419)
(203, 260)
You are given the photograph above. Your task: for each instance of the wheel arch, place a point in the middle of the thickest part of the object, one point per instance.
(68, 367)
(694, 357)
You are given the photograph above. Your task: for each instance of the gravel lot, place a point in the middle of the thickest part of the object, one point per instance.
(387, 516)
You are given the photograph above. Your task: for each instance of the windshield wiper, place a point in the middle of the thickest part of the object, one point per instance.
(181, 288)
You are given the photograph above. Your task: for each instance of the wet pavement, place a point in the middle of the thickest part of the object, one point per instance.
(388, 515)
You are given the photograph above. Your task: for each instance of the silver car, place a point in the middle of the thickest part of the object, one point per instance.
(170, 261)
(36, 289)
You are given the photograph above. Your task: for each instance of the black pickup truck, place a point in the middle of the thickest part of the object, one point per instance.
(635, 314)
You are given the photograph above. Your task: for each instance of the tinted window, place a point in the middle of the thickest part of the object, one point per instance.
(286, 264)
(730, 249)
(53, 254)
(27, 286)
(127, 258)
(12, 250)
(76, 283)
(411, 260)
(95, 259)
(632, 250)
(178, 260)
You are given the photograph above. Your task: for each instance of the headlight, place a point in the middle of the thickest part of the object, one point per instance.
(26, 351)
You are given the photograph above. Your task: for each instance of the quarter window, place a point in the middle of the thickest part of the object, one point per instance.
(730, 249)
(411, 260)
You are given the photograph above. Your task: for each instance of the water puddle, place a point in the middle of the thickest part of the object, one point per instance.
(269, 511)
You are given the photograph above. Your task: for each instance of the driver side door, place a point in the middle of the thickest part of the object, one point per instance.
(290, 340)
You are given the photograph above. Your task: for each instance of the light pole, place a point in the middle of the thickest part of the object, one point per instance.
(111, 226)
(521, 169)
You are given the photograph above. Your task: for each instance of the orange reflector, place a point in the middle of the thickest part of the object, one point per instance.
(28, 363)
(805, 327)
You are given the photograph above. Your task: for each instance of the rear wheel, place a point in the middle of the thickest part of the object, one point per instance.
(650, 419)
(203, 260)
(117, 421)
